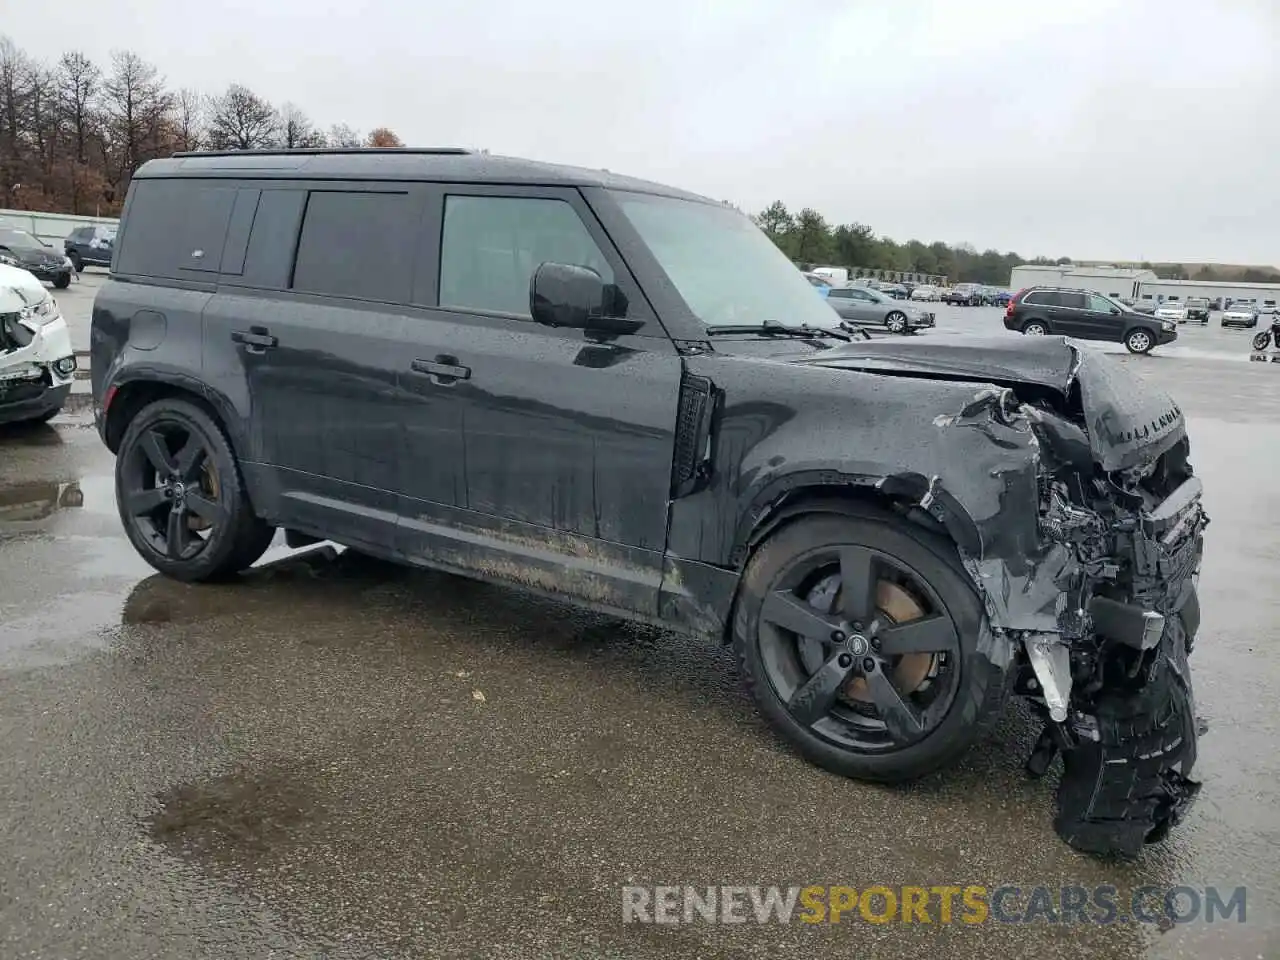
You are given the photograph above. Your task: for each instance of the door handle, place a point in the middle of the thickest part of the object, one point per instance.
(443, 369)
(256, 339)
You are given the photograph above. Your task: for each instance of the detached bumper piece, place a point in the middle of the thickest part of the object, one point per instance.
(1126, 781)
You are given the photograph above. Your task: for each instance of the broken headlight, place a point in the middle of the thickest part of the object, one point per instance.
(38, 314)
(7, 259)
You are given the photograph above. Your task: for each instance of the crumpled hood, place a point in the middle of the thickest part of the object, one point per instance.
(1129, 421)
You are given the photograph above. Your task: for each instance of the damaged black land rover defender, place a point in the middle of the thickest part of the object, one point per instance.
(624, 395)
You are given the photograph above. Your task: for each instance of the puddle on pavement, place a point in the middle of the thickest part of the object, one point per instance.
(239, 813)
(23, 502)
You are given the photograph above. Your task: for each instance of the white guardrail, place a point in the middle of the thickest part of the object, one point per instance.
(52, 228)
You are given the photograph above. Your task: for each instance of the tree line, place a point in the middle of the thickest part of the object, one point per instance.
(73, 132)
(807, 238)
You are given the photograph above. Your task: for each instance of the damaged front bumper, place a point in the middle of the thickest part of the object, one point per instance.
(37, 366)
(1065, 483)
(1115, 681)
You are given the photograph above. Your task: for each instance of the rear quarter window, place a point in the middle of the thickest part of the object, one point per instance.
(174, 229)
(357, 244)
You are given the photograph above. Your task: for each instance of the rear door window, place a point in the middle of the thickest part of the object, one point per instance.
(175, 229)
(357, 244)
(1042, 298)
(491, 246)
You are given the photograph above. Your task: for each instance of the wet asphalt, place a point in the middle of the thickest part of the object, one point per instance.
(337, 757)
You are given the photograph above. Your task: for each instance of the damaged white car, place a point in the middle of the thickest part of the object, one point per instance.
(36, 360)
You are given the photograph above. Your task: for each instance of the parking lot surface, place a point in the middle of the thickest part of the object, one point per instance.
(338, 757)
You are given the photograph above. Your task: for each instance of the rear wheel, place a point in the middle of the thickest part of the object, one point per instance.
(1138, 340)
(1034, 328)
(181, 497)
(62, 280)
(857, 635)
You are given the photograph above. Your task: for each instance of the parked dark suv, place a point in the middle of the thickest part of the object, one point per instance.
(626, 396)
(90, 246)
(1087, 316)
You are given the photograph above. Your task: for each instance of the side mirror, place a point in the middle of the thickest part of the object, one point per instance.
(565, 295)
(1115, 311)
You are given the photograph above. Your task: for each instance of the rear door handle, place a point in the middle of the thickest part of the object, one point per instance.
(257, 339)
(443, 369)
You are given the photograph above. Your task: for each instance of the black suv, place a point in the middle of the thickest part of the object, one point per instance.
(1198, 309)
(90, 246)
(626, 396)
(1087, 316)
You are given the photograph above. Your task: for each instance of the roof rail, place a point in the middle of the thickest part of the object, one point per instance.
(321, 151)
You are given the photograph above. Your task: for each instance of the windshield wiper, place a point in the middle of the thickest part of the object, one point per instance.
(775, 328)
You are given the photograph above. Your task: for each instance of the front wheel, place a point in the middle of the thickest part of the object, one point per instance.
(1262, 340)
(896, 322)
(858, 638)
(181, 497)
(62, 281)
(1138, 341)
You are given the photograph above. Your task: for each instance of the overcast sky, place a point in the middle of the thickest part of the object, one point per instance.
(1096, 129)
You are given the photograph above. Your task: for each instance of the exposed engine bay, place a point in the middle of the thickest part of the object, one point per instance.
(1097, 592)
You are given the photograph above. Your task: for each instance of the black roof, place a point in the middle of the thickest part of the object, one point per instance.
(446, 164)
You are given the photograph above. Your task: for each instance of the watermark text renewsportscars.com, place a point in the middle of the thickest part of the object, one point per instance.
(972, 904)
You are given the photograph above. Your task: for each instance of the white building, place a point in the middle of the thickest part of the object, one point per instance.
(1137, 284)
(1113, 281)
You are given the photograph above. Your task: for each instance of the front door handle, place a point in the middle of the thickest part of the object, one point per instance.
(256, 339)
(443, 369)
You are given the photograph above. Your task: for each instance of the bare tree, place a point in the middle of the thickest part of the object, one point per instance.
(341, 135)
(297, 130)
(136, 110)
(78, 80)
(383, 137)
(15, 69)
(241, 120)
(44, 123)
(190, 110)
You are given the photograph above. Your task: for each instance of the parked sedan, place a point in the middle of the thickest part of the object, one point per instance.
(868, 307)
(925, 292)
(1177, 312)
(1240, 315)
(20, 249)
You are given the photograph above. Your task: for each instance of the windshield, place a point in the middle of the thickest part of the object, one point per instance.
(18, 238)
(722, 265)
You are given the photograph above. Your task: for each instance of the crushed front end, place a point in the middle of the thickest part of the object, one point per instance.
(1065, 483)
(1121, 526)
(37, 363)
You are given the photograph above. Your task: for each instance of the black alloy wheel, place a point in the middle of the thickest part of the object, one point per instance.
(858, 636)
(171, 491)
(859, 648)
(181, 497)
